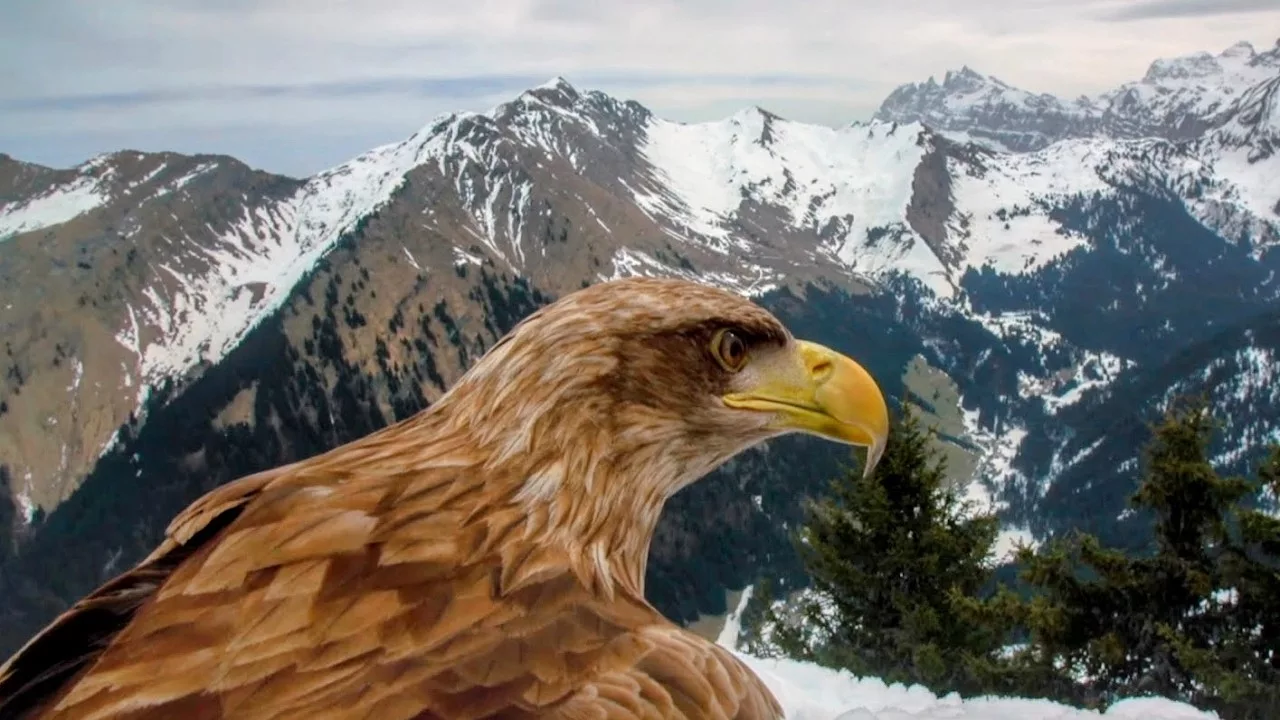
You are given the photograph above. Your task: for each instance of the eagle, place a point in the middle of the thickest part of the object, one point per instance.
(484, 558)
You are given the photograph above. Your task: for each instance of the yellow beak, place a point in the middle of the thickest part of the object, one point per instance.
(817, 390)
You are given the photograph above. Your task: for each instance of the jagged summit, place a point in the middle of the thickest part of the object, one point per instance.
(1240, 63)
(557, 83)
(557, 90)
(967, 74)
(1243, 48)
(1180, 98)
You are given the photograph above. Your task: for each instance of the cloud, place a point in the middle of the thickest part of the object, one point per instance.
(457, 87)
(330, 79)
(1188, 8)
(447, 87)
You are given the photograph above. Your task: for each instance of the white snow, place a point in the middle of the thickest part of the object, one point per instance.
(55, 206)
(1009, 539)
(222, 290)
(412, 260)
(147, 178)
(26, 506)
(811, 692)
(1022, 327)
(1245, 381)
(994, 472)
(728, 637)
(857, 179)
(181, 182)
(1095, 371)
(1242, 197)
(1007, 227)
(1199, 84)
(462, 257)
(1060, 387)
(753, 280)
(999, 448)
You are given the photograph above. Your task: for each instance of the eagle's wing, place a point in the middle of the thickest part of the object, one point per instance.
(309, 604)
(681, 676)
(73, 641)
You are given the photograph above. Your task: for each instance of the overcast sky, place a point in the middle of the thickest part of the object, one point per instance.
(295, 86)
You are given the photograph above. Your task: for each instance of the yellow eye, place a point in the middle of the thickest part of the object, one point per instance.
(730, 350)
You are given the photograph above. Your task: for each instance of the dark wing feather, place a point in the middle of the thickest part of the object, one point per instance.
(42, 668)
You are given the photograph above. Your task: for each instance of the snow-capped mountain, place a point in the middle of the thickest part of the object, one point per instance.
(1178, 99)
(175, 322)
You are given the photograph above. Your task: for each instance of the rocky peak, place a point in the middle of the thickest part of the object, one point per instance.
(1269, 58)
(1243, 48)
(1253, 123)
(1179, 99)
(1200, 64)
(557, 92)
(966, 79)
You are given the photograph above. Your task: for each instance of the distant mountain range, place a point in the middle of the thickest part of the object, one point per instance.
(1040, 274)
(1179, 99)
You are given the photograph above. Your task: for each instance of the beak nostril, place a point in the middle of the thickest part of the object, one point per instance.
(821, 369)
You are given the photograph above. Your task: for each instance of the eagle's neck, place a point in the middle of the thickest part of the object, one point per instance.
(584, 496)
(599, 512)
(577, 469)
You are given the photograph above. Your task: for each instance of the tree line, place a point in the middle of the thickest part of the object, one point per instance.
(905, 587)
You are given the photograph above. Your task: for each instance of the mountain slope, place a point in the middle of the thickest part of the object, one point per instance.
(106, 271)
(1095, 465)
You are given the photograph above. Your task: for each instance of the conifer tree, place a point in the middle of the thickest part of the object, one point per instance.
(1174, 622)
(1240, 672)
(897, 559)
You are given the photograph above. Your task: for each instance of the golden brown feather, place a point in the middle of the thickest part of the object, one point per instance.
(484, 558)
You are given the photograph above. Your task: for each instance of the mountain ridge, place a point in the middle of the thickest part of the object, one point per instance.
(1178, 99)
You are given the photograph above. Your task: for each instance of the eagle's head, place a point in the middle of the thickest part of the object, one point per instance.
(645, 385)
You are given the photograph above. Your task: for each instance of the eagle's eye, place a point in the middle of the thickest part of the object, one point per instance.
(729, 350)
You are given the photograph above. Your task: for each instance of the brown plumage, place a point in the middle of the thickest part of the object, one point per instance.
(484, 558)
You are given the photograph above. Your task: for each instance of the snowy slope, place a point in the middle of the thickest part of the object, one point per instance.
(56, 204)
(852, 187)
(1254, 120)
(810, 692)
(249, 270)
(856, 179)
(1005, 204)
